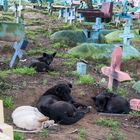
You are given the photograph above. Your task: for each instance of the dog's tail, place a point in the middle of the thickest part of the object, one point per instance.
(27, 131)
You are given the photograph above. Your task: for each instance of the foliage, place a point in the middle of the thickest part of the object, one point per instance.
(86, 79)
(99, 66)
(70, 63)
(44, 133)
(38, 50)
(115, 134)
(121, 91)
(61, 44)
(82, 134)
(53, 73)
(24, 71)
(4, 85)
(5, 73)
(107, 122)
(18, 136)
(135, 113)
(7, 102)
(72, 74)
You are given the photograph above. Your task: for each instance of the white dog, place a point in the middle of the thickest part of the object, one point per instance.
(29, 118)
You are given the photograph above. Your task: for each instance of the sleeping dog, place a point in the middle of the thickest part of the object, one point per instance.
(42, 63)
(58, 104)
(111, 103)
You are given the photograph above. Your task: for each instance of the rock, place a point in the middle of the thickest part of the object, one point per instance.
(92, 51)
(70, 36)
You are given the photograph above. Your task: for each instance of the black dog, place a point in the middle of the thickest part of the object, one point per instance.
(41, 64)
(58, 104)
(111, 103)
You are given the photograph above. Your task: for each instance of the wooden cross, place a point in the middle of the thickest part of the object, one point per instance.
(114, 72)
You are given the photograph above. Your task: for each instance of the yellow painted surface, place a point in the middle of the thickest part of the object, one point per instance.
(4, 137)
(7, 130)
(1, 112)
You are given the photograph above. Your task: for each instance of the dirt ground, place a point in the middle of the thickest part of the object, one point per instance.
(27, 89)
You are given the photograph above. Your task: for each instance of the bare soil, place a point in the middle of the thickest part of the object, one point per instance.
(27, 89)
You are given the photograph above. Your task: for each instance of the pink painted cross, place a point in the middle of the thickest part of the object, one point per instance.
(113, 72)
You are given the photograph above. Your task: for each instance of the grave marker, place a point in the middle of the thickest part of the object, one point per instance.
(96, 29)
(128, 50)
(114, 72)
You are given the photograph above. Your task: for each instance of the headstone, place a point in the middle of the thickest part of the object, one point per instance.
(114, 72)
(81, 68)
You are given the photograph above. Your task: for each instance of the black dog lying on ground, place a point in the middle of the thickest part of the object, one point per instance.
(41, 64)
(111, 103)
(58, 105)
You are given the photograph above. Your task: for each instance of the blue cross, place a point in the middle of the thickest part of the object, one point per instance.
(19, 50)
(96, 29)
(126, 35)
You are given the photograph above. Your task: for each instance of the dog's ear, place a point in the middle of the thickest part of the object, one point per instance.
(43, 119)
(93, 98)
(54, 54)
(70, 85)
(44, 54)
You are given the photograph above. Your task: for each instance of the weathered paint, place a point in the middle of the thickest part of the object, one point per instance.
(11, 31)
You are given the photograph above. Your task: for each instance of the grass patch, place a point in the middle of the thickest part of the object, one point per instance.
(39, 50)
(70, 63)
(44, 133)
(7, 102)
(5, 73)
(72, 74)
(58, 45)
(53, 73)
(135, 113)
(107, 122)
(20, 71)
(31, 35)
(86, 79)
(82, 134)
(24, 71)
(115, 135)
(4, 85)
(45, 82)
(99, 66)
(65, 55)
(18, 136)
(121, 91)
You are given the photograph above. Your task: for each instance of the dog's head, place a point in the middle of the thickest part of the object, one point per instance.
(47, 58)
(63, 91)
(101, 101)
